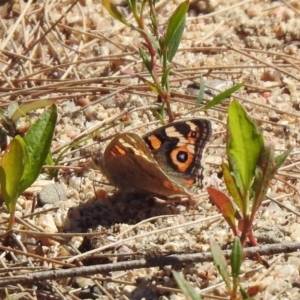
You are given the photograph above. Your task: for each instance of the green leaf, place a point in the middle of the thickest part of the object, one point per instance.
(114, 12)
(152, 86)
(154, 23)
(244, 145)
(201, 93)
(146, 60)
(165, 77)
(38, 141)
(159, 114)
(220, 263)
(280, 159)
(150, 37)
(132, 5)
(232, 188)
(236, 257)
(186, 287)
(11, 170)
(222, 96)
(27, 107)
(50, 162)
(266, 167)
(175, 29)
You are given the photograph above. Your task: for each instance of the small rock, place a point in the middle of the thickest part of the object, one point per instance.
(51, 194)
(89, 289)
(295, 232)
(48, 224)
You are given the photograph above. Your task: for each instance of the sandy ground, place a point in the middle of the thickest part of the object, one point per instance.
(79, 60)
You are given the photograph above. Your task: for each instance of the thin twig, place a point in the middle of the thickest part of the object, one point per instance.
(143, 263)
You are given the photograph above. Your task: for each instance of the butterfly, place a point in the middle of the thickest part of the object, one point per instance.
(164, 162)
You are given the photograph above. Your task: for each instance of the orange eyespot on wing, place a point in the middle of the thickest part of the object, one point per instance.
(182, 158)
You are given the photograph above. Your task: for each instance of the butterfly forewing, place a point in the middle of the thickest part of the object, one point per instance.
(129, 165)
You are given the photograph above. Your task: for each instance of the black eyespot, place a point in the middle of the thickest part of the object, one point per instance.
(193, 134)
(182, 156)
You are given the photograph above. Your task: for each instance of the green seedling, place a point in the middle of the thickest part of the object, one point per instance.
(13, 113)
(186, 287)
(250, 168)
(232, 282)
(22, 162)
(158, 45)
(222, 96)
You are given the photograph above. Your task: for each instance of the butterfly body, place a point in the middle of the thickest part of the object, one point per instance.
(165, 162)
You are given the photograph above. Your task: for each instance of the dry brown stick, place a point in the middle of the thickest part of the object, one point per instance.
(143, 263)
(16, 251)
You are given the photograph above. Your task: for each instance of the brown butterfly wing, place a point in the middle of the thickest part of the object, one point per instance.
(129, 165)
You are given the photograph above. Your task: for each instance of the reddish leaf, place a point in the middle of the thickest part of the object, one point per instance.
(253, 290)
(225, 206)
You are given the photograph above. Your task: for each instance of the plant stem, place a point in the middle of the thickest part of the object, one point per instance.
(11, 221)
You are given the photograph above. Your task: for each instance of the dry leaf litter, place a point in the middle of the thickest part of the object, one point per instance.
(81, 63)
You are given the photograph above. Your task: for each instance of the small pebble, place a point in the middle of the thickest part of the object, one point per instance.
(51, 194)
